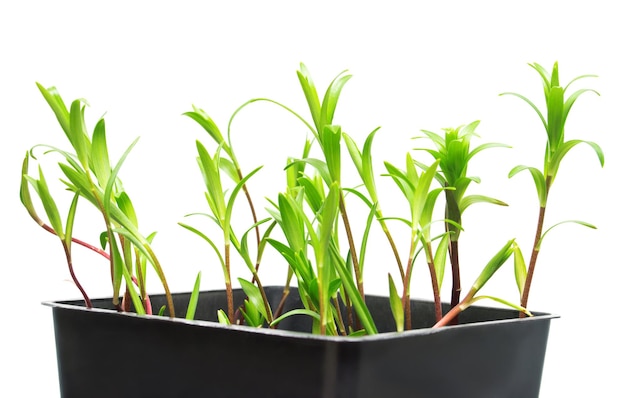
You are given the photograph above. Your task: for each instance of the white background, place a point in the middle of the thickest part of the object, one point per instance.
(414, 67)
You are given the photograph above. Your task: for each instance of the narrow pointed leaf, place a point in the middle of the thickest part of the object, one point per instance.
(193, 299)
(493, 265)
(519, 268)
(538, 178)
(254, 297)
(396, 305)
(100, 154)
(441, 254)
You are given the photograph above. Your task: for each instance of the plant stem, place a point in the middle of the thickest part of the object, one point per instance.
(266, 303)
(168, 294)
(536, 245)
(68, 257)
(322, 309)
(393, 245)
(456, 277)
(533, 260)
(456, 310)
(355, 261)
(79, 242)
(449, 316)
(406, 299)
(281, 305)
(229, 287)
(349, 313)
(434, 282)
(342, 328)
(253, 211)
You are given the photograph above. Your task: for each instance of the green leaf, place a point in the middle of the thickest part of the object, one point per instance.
(100, 154)
(107, 198)
(440, 258)
(117, 264)
(254, 296)
(564, 148)
(126, 206)
(366, 233)
(331, 146)
(319, 165)
(210, 171)
(330, 210)
(210, 242)
(422, 201)
(355, 153)
(193, 299)
(250, 315)
(520, 268)
(499, 300)
(396, 305)
(583, 223)
(25, 197)
(49, 205)
(300, 311)
(555, 117)
(363, 162)
(306, 82)
(78, 132)
(400, 179)
(572, 98)
(313, 195)
(529, 102)
(291, 222)
(69, 224)
(538, 178)
(482, 147)
(469, 200)
(230, 169)
(358, 303)
(493, 265)
(137, 303)
(235, 191)
(54, 100)
(207, 124)
(222, 317)
(329, 104)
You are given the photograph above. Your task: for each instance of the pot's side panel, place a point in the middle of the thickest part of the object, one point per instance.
(107, 355)
(502, 360)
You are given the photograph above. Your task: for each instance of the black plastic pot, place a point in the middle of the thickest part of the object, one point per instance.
(102, 353)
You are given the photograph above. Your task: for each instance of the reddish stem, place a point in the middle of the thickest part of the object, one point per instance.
(533, 260)
(80, 242)
(68, 257)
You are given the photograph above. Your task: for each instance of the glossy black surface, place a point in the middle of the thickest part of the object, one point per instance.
(107, 354)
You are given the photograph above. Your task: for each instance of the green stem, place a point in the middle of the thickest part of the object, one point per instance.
(406, 298)
(229, 287)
